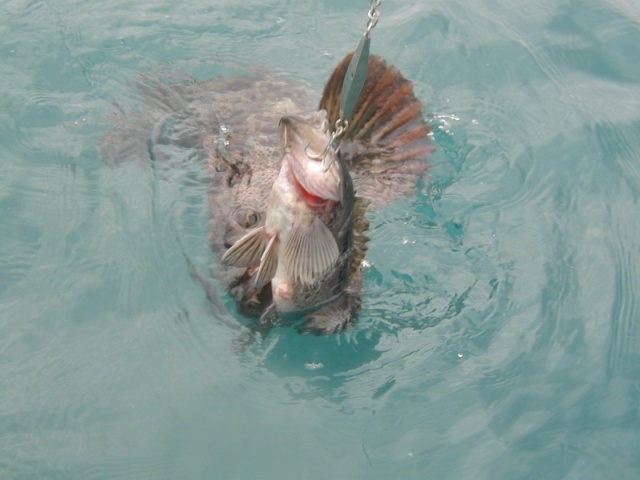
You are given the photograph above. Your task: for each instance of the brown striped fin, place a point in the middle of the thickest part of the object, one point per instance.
(386, 144)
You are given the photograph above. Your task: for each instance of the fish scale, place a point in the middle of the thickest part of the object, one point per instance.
(385, 149)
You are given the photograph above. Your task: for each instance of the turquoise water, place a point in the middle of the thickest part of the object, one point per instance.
(500, 336)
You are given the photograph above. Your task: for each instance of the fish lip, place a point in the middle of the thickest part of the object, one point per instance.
(297, 125)
(287, 128)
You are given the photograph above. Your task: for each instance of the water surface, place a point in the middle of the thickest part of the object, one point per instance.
(500, 336)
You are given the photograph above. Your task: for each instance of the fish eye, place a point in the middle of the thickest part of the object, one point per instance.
(251, 219)
(247, 218)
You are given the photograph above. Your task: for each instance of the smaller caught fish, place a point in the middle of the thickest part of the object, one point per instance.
(229, 125)
(304, 246)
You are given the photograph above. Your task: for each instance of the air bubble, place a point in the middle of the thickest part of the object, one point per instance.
(313, 365)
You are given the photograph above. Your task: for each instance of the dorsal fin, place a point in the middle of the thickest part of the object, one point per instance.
(386, 144)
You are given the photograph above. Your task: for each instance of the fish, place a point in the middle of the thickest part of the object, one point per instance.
(304, 246)
(385, 148)
(230, 126)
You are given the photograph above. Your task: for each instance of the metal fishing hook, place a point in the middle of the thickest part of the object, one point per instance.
(341, 126)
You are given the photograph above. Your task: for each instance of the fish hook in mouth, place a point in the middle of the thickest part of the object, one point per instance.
(323, 155)
(340, 128)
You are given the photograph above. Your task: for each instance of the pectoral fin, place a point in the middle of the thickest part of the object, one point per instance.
(309, 251)
(268, 263)
(247, 251)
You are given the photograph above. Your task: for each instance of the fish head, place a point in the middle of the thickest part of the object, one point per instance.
(305, 142)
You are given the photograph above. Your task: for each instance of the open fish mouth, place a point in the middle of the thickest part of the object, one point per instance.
(311, 199)
(301, 138)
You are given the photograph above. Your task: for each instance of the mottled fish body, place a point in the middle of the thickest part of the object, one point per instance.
(231, 126)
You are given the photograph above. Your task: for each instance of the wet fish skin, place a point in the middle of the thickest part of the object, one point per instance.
(385, 148)
(180, 123)
(304, 247)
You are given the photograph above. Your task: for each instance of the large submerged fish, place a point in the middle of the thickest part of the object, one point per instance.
(231, 125)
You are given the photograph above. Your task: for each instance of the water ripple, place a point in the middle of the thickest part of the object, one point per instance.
(623, 356)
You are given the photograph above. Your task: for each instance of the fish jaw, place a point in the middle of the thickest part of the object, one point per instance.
(304, 141)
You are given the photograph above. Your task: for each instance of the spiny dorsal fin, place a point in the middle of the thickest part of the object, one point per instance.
(309, 251)
(386, 144)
